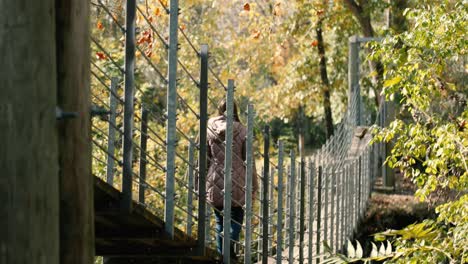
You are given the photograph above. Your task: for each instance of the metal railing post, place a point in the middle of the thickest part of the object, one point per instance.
(353, 77)
(302, 209)
(271, 203)
(190, 188)
(326, 205)
(128, 105)
(360, 189)
(202, 170)
(228, 173)
(319, 211)
(339, 219)
(343, 206)
(143, 160)
(332, 209)
(266, 171)
(292, 207)
(287, 210)
(111, 130)
(311, 209)
(279, 247)
(171, 119)
(260, 224)
(249, 179)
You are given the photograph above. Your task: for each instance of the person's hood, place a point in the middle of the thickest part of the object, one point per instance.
(217, 128)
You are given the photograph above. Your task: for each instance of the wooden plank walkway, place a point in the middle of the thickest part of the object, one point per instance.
(138, 236)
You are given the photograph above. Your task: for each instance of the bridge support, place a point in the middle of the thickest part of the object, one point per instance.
(29, 188)
(73, 94)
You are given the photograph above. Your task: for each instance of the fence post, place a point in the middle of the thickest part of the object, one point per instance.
(111, 131)
(266, 171)
(249, 178)
(171, 118)
(260, 224)
(128, 106)
(326, 205)
(202, 149)
(228, 173)
(287, 216)
(350, 198)
(292, 207)
(355, 195)
(339, 219)
(319, 210)
(360, 189)
(271, 202)
(311, 209)
(190, 188)
(143, 161)
(279, 247)
(353, 77)
(332, 205)
(302, 209)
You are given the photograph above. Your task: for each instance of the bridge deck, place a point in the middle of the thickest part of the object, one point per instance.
(138, 236)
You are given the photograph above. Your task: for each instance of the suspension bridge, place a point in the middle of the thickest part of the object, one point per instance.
(146, 164)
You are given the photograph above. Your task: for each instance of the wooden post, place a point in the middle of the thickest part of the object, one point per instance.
(29, 225)
(73, 94)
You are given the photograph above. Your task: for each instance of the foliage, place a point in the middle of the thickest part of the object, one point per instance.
(425, 70)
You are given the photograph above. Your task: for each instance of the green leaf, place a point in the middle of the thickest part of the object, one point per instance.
(392, 81)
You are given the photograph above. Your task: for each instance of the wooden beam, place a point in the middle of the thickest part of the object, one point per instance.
(76, 181)
(28, 152)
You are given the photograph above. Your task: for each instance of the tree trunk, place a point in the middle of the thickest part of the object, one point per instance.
(395, 18)
(325, 80)
(28, 154)
(73, 95)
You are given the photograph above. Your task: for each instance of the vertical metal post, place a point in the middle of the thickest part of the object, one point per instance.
(111, 131)
(202, 149)
(287, 216)
(311, 209)
(302, 209)
(266, 171)
(190, 188)
(339, 219)
(171, 119)
(228, 173)
(271, 202)
(128, 106)
(260, 224)
(343, 206)
(319, 211)
(206, 227)
(359, 198)
(349, 192)
(292, 207)
(355, 196)
(248, 193)
(353, 77)
(279, 247)
(143, 160)
(326, 203)
(332, 205)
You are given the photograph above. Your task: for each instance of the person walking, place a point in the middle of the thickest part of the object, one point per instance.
(215, 176)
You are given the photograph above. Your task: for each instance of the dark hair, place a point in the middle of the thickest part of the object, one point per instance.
(222, 109)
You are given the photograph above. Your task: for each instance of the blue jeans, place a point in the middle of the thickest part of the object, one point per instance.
(237, 214)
